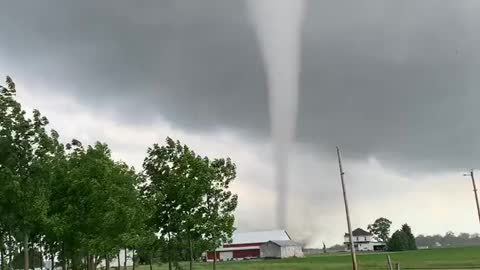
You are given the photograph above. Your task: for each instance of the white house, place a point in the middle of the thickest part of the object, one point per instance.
(363, 241)
(280, 249)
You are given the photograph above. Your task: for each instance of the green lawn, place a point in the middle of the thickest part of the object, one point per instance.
(447, 258)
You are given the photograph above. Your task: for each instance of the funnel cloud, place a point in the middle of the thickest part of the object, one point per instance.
(278, 25)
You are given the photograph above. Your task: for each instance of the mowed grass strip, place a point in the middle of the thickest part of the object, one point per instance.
(444, 258)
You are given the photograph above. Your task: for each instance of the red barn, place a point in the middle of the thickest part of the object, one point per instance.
(246, 245)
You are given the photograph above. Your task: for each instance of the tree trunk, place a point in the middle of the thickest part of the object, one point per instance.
(2, 257)
(40, 248)
(10, 251)
(74, 260)
(151, 266)
(53, 262)
(41, 257)
(191, 253)
(107, 262)
(64, 257)
(214, 259)
(32, 259)
(169, 260)
(118, 260)
(91, 262)
(25, 251)
(125, 259)
(133, 259)
(169, 251)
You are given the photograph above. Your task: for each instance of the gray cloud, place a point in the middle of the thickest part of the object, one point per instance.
(392, 79)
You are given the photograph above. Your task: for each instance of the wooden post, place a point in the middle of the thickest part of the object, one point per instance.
(475, 192)
(390, 266)
(350, 236)
(398, 266)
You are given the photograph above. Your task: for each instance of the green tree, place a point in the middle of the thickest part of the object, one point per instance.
(102, 205)
(67, 200)
(190, 196)
(411, 244)
(398, 241)
(220, 205)
(380, 229)
(175, 187)
(25, 158)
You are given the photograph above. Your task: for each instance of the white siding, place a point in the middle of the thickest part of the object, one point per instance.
(273, 250)
(291, 251)
(226, 256)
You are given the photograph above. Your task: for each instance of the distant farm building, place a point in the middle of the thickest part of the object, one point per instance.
(279, 249)
(253, 245)
(363, 241)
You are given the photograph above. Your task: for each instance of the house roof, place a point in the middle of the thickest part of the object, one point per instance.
(359, 232)
(285, 243)
(259, 236)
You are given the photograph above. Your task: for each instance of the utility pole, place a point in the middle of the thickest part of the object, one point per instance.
(350, 236)
(475, 192)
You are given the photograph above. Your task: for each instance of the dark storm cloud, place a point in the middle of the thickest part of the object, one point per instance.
(194, 63)
(397, 80)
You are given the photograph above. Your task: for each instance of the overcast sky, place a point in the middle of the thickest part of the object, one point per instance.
(395, 83)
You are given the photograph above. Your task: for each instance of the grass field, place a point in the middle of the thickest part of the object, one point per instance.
(446, 258)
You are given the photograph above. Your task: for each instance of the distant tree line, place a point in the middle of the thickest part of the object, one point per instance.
(76, 205)
(449, 239)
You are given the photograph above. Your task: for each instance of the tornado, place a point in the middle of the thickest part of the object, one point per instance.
(278, 26)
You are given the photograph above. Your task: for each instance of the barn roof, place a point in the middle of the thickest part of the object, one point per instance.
(285, 243)
(259, 236)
